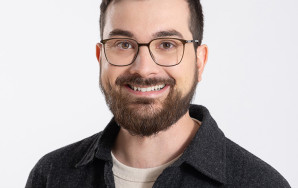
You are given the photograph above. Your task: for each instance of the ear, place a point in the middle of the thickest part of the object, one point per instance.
(98, 51)
(202, 57)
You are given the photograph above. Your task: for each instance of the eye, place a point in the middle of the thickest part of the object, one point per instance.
(124, 45)
(166, 45)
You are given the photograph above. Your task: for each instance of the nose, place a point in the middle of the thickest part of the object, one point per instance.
(144, 64)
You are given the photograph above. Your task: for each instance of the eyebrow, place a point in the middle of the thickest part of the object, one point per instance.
(166, 33)
(117, 32)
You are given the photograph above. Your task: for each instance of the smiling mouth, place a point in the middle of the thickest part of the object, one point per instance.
(147, 89)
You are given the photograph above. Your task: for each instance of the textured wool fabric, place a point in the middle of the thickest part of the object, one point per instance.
(210, 160)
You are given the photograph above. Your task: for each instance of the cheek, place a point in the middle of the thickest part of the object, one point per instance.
(103, 72)
(109, 73)
(184, 73)
(184, 76)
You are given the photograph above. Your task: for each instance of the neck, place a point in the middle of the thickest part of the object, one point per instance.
(147, 152)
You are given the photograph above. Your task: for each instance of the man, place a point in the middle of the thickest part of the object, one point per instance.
(151, 60)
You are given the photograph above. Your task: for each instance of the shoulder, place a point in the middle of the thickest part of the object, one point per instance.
(64, 158)
(245, 169)
(70, 154)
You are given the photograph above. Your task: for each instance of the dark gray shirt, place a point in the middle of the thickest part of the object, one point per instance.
(211, 160)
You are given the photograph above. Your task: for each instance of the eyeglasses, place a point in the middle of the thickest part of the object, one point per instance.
(165, 52)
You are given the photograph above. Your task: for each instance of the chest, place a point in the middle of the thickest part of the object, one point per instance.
(101, 175)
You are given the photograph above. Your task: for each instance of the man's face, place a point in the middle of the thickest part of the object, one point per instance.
(145, 113)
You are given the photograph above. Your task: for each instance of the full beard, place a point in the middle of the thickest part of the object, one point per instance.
(143, 116)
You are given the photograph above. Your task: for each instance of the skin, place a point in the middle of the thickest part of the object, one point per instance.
(146, 152)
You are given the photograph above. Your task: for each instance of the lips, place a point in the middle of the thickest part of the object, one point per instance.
(147, 89)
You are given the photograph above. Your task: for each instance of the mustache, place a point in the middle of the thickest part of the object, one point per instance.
(138, 80)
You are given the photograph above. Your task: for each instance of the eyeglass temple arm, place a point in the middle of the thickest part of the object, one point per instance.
(189, 41)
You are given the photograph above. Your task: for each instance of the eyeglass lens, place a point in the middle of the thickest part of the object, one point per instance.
(166, 52)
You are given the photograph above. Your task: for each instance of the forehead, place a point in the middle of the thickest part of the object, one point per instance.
(144, 18)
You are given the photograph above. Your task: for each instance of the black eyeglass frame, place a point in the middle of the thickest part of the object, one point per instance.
(148, 45)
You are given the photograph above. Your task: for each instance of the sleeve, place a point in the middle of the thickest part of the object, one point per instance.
(37, 177)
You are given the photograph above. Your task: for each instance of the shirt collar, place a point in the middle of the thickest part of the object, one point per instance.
(206, 152)
(102, 145)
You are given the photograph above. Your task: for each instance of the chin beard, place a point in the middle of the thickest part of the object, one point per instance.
(147, 117)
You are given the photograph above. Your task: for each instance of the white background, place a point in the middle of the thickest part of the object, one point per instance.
(49, 94)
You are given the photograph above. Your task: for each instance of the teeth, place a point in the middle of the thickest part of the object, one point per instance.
(146, 89)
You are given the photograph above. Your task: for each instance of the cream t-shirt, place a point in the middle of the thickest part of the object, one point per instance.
(129, 177)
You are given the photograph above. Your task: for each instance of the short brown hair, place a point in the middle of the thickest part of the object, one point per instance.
(196, 20)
